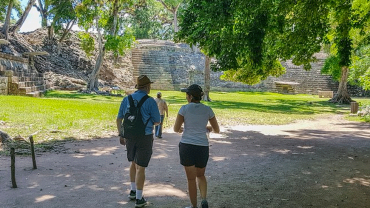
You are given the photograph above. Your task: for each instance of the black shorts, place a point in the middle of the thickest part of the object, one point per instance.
(193, 155)
(140, 149)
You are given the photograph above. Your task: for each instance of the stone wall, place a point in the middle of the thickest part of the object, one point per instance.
(172, 66)
(3, 85)
(8, 64)
(22, 78)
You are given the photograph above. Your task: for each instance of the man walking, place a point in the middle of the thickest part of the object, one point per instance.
(139, 148)
(163, 109)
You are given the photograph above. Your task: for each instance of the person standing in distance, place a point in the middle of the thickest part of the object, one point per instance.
(139, 149)
(163, 111)
(194, 144)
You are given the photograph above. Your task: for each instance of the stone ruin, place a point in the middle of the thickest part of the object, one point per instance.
(173, 66)
(170, 65)
(18, 75)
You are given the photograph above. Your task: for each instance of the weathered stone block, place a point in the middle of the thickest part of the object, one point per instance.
(3, 85)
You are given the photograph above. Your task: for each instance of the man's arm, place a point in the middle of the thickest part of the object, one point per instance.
(119, 128)
(166, 108)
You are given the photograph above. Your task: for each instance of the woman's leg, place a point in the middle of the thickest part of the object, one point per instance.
(202, 182)
(191, 174)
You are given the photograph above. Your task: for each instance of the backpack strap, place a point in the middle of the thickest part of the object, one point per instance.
(131, 100)
(142, 101)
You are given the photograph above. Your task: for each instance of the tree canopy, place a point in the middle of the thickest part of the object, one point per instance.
(250, 38)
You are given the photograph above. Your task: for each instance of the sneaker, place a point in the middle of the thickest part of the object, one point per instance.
(159, 137)
(132, 195)
(204, 203)
(140, 202)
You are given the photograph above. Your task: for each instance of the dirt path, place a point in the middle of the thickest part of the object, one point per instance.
(320, 163)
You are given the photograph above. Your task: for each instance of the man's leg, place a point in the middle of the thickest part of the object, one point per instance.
(132, 194)
(140, 179)
(161, 126)
(156, 130)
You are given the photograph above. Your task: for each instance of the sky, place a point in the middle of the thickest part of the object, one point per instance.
(33, 20)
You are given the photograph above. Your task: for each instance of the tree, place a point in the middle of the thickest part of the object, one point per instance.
(173, 7)
(104, 17)
(64, 17)
(250, 38)
(43, 7)
(7, 7)
(349, 41)
(19, 23)
(149, 20)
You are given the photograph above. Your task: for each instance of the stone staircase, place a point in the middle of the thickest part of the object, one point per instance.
(22, 79)
(154, 64)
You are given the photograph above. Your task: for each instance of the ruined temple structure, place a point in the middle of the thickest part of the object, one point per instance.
(172, 66)
(18, 76)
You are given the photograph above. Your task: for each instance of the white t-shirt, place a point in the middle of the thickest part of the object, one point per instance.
(196, 117)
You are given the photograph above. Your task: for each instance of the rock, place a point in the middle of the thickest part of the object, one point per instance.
(4, 137)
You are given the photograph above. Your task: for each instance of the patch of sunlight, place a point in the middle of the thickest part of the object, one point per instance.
(122, 202)
(306, 172)
(115, 188)
(217, 136)
(103, 151)
(324, 187)
(218, 158)
(163, 190)
(79, 156)
(262, 154)
(62, 175)
(44, 198)
(96, 188)
(162, 154)
(78, 187)
(361, 181)
(219, 142)
(282, 151)
(305, 147)
(34, 185)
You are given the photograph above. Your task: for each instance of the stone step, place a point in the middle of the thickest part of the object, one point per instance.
(35, 94)
(26, 90)
(31, 83)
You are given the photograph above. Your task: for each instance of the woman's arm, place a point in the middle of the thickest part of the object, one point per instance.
(178, 123)
(214, 124)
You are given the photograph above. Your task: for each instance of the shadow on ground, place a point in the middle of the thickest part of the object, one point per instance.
(255, 166)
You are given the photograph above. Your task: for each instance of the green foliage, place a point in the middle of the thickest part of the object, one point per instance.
(360, 68)
(17, 8)
(62, 12)
(332, 67)
(251, 36)
(87, 43)
(149, 20)
(119, 44)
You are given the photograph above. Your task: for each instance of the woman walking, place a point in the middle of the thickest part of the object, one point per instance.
(194, 144)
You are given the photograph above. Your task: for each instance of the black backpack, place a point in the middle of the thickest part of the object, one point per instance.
(133, 125)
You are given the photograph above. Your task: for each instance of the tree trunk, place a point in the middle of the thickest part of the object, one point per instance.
(65, 33)
(7, 20)
(93, 79)
(176, 28)
(207, 79)
(42, 9)
(342, 96)
(21, 20)
(114, 27)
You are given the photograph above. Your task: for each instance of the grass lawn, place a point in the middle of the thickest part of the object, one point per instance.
(63, 114)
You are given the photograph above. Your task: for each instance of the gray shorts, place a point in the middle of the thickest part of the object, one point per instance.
(140, 149)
